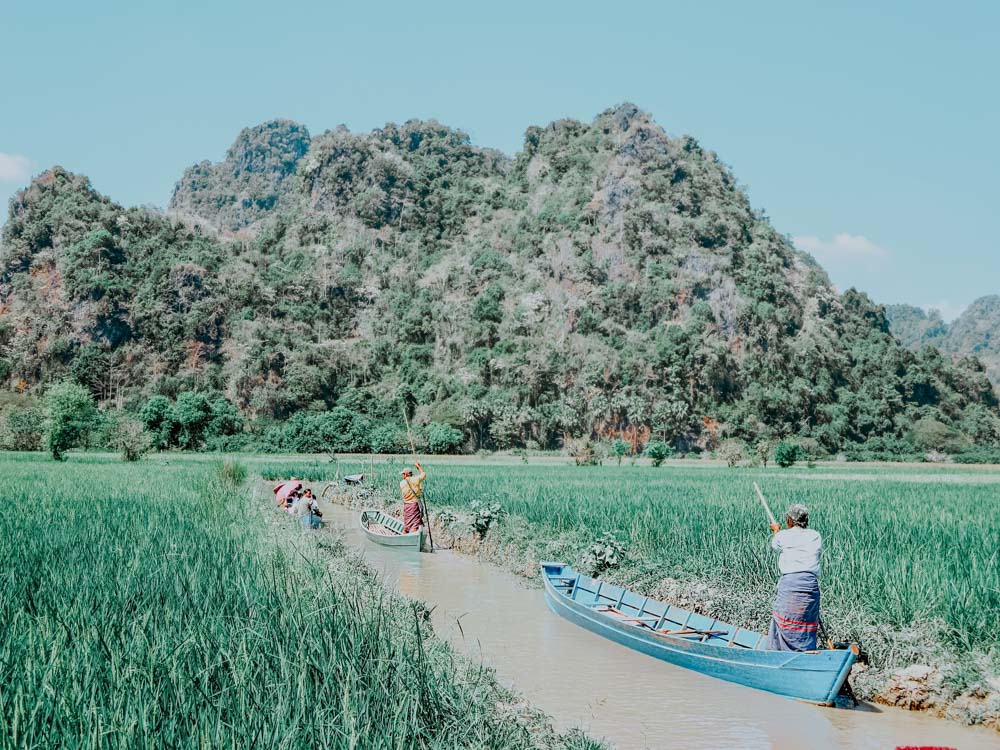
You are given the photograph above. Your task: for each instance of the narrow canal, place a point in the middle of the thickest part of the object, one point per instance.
(627, 698)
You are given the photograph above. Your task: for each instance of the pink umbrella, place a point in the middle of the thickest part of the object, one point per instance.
(282, 491)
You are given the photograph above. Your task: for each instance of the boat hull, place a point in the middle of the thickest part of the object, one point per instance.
(815, 676)
(388, 531)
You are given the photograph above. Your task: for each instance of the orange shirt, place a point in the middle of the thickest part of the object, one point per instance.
(412, 487)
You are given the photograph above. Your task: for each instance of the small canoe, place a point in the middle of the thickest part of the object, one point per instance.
(382, 528)
(694, 641)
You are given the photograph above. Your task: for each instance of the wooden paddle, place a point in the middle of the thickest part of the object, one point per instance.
(420, 500)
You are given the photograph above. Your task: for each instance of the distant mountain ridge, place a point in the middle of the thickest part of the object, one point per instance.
(608, 280)
(975, 333)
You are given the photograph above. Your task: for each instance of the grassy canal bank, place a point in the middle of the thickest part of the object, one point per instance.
(156, 605)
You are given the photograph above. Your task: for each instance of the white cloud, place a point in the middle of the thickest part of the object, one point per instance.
(843, 247)
(14, 168)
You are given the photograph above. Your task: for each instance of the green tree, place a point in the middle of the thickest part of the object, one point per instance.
(191, 413)
(386, 438)
(658, 451)
(442, 438)
(130, 437)
(70, 414)
(762, 452)
(621, 449)
(732, 452)
(787, 453)
(158, 418)
(23, 429)
(933, 435)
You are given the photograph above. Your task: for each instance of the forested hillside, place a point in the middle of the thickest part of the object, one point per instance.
(608, 281)
(973, 333)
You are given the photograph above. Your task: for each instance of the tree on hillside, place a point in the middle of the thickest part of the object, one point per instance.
(70, 414)
(442, 438)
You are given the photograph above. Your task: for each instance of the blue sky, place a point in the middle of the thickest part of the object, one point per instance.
(868, 133)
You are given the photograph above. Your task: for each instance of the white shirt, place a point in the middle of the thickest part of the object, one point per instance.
(799, 550)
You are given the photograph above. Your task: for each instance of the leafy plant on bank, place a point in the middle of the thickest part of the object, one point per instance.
(605, 553)
(484, 515)
(446, 518)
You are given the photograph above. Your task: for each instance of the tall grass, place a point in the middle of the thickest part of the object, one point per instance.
(141, 607)
(231, 473)
(899, 550)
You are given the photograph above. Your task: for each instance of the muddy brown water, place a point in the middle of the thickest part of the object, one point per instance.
(629, 699)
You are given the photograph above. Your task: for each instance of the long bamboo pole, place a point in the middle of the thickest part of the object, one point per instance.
(763, 502)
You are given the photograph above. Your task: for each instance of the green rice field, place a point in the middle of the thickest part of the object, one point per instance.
(155, 605)
(899, 550)
(158, 604)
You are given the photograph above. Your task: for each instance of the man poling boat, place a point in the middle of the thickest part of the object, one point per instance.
(412, 487)
(787, 666)
(795, 617)
(699, 642)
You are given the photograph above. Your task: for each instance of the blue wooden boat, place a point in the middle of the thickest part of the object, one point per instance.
(694, 641)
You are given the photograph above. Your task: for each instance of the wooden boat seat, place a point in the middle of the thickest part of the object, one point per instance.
(381, 530)
(690, 631)
(643, 622)
(608, 609)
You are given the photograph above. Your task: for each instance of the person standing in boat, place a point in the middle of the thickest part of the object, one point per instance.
(795, 618)
(412, 487)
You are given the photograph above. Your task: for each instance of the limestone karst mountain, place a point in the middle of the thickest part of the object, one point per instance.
(606, 280)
